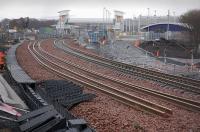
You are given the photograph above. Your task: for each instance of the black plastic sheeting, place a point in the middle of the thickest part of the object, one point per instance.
(60, 94)
(63, 92)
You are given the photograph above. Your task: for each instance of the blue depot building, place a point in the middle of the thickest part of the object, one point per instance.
(164, 27)
(164, 30)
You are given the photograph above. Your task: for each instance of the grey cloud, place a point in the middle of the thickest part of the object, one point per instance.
(47, 7)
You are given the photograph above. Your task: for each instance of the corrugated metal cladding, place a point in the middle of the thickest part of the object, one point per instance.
(163, 27)
(15, 70)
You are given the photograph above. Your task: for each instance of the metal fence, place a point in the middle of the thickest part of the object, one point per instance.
(167, 35)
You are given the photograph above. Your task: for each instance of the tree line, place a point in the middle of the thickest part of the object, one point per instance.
(191, 20)
(25, 23)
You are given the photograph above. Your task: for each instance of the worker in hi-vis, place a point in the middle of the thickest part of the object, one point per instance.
(2, 60)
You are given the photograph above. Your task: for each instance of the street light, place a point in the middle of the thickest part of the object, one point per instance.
(168, 25)
(192, 59)
(8, 27)
(134, 24)
(109, 16)
(155, 17)
(104, 9)
(165, 56)
(174, 17)
(148, 22)
(139, 25)
(107, 19)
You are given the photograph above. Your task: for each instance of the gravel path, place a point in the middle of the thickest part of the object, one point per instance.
(108, 115)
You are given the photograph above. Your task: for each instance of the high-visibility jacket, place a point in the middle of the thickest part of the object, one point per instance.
(158, 53)
(2, 58)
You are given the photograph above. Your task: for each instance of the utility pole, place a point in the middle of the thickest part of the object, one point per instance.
(165, 56)
(148, 22)
(174, 17)
(139, 25)
(79, 34)
(104, 21)
(133, 25)
(8, 27)
(126, 25)
(155, 16)
(174, 22)
(168, 25)
(109, 14)
(192, 60)
(129, 25)
(106, 17)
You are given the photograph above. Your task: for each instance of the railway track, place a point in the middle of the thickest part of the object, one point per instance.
(120, 95)
(186, 103)
(177, 81)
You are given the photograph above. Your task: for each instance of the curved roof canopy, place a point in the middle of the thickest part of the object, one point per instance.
(162, 27)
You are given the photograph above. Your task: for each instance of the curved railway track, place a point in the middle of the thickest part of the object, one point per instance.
(45, 59)
(122, 96)
(177, 81)
(186, 103)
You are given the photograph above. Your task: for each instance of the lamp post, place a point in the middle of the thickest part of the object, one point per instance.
(148, 22)
(104, 9)
(129, 25)
(192, 59)
(168, 25)
(133, 25)
(165, 56)
(108, 19)
(155, 16)
(139, 25)
(8, 27)
(174, 17)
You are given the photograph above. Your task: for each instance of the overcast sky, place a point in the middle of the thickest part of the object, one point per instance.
(92, 8)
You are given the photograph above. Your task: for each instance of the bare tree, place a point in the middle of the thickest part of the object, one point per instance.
(5, 24)
(191, 19)
(24, 23)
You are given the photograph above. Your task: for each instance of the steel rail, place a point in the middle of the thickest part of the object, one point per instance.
(124, 97)
(149, 74)
(184, 79)
(187, 103)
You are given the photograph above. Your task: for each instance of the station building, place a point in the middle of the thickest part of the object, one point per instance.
(62, 26)
(96, 29)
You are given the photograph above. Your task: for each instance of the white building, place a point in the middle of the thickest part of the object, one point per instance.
(118, 20)
(62, 25)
